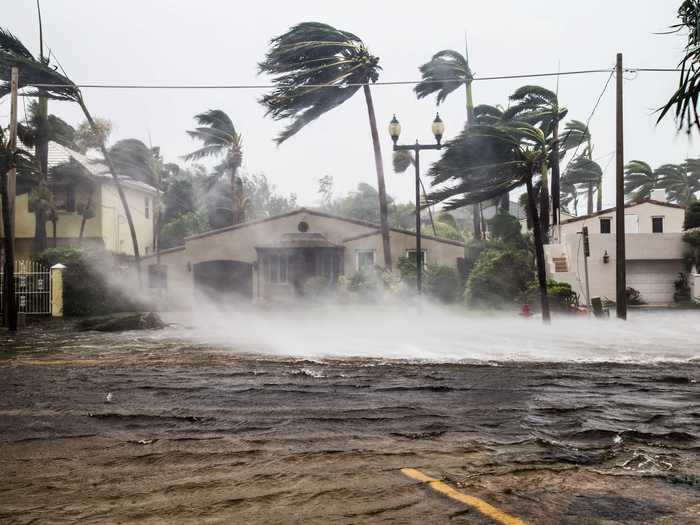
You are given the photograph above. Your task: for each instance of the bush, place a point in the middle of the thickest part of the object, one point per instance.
(692, 216)
(634, 297)
(506, 228)
(498, 278)
(442, 283)
(174, 232)
(443, 231)
(85, 290)
(692, 257)
(561, 296)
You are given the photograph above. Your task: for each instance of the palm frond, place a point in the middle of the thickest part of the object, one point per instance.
(446, 71)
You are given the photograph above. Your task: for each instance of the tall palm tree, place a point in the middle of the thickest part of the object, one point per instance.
(684, 101)
(539, 106)
(680, 181)
(315, 68)
(444, 73)
(640, 180)
(220, 139)
(55, 86)
(577, 134)
(485, 161)
(586, 173)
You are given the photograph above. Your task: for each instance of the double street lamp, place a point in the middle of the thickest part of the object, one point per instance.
(438, 129)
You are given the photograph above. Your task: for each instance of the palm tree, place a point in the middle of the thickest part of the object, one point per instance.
(316, 68)
(539, 106)
(38, 130)
(55, 86)
(569, 195)
(640, 180)
(220, 139)
(576, 133)
(685, 98)
(485, 161)
(444, 73)
(680, 181)
(587, 173)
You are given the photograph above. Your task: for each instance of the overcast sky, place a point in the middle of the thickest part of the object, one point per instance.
(221, 42)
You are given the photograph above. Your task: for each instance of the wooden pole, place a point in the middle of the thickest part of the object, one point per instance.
(620, 274)
(10, 302)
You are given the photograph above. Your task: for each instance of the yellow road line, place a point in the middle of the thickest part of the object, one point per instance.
(484, 508)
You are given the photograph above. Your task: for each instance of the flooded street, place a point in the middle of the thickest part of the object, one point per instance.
(162, 427)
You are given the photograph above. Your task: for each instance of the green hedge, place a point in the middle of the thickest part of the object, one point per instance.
(498, 278)
(85, 289)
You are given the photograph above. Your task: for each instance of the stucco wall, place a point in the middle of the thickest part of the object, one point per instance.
(115, 228)
(673, 219)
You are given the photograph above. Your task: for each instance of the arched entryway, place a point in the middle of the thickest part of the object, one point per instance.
(224, 279)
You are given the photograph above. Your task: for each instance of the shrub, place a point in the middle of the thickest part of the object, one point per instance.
(444, 231)
(442, 282)
(692, 256)
(174, 232)
(692, 216)
(498, 278)
(506, 228)
(634, 297)
(561, 296)
(85, 289)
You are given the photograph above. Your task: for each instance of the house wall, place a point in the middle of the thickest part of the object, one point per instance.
(180, 281)
(673, 219)
(115, 228)
(67, 226)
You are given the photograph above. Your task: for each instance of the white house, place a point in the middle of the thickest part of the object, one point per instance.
(272, 258)
(653, 246)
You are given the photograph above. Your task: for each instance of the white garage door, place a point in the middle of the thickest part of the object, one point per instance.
(654, 279)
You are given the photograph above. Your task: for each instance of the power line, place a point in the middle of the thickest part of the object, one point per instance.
(315, 86)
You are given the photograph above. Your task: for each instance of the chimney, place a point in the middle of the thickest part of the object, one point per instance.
(658, 194)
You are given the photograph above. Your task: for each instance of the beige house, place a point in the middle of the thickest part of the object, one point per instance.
(654, 251)
(88, 181)
(272, 258)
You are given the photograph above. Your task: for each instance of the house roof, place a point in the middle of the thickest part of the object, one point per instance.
(376, 229)
(59, 154)
(628, 205)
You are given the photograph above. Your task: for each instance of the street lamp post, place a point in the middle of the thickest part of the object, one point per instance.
(438, 129)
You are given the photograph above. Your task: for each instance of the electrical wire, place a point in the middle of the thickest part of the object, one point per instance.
(359, 84)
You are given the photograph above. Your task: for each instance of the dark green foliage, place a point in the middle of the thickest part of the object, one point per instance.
(85, 288)
(561, 294)
(447, 218)
(682, 286)
(498, 278)
(173, 233)
(314, 54)
(443, 231)
(506, 228)
(634, 297)
(692, 216)
(442, 283)
(446, 71)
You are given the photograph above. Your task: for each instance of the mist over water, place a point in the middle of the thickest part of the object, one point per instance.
(435, 333)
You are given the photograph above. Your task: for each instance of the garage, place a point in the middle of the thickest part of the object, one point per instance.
(654, 279)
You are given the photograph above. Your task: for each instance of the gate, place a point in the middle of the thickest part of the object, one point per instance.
(32, 288)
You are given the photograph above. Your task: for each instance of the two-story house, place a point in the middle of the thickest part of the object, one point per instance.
(653, 245)
(77, 182)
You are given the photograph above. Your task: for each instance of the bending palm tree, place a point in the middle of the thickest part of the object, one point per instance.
(539, 106)
(220, 138)
(680, 181)
(58, 87)
(577, 133)
(587, 173)
(316, 68)
(446, 71)
(640, 180)
(487, 161)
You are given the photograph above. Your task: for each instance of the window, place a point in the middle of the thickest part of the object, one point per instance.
(277, 265)
(365, 259)
(64, 198)
(147, 203)
(411, 254)
(657, 224)
(605, 225)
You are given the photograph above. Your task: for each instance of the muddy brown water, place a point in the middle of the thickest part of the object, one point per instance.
(194, 433)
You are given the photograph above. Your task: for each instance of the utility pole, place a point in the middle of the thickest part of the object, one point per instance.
(9, 299)
(586, 255)
(620, 273)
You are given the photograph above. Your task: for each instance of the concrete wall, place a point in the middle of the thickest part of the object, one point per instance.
(115, 228)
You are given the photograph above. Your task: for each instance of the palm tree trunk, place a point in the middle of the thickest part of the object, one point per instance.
(42, 153)
(599, 203)
(476, 219)
(85, 218)
(539, 252)
(470, 103)
(544, 204)
(120, 190)
(590, 198)
(556, 192)
(381, 187)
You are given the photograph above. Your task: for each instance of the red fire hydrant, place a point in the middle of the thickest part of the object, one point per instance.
(525, 311)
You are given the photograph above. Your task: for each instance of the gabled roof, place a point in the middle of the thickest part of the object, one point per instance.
(59, 154)
(376, 228)
(628, 205)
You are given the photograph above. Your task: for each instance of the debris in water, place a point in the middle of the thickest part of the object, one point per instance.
(109, 397)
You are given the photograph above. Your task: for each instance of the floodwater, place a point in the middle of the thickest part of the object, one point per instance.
(219, 425)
